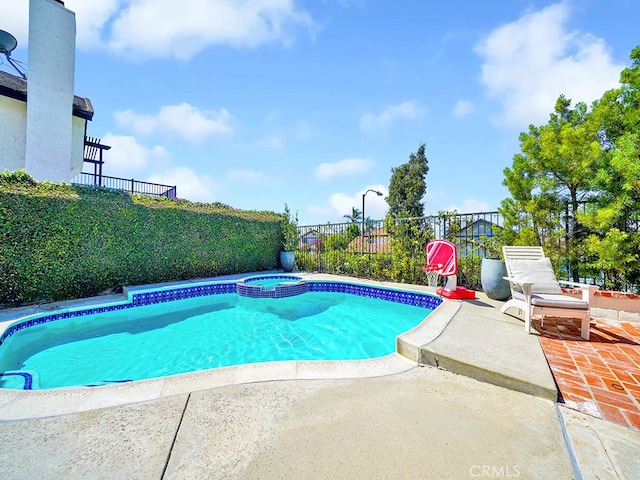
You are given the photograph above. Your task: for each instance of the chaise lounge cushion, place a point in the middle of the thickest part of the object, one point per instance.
(554, 301)
(539, 272)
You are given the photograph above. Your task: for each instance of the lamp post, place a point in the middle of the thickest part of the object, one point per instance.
(363, 217)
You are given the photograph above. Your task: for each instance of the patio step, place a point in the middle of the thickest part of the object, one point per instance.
(482, 343)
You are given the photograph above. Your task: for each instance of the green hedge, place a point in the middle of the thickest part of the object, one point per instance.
(61, 241)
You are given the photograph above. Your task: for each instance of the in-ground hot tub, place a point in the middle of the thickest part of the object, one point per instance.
(271, 286)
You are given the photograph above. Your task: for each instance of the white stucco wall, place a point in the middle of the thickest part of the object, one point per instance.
(77, 146)
(13, 131)
(49, 135)
(13, 128)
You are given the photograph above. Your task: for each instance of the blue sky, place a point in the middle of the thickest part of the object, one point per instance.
(258, 103)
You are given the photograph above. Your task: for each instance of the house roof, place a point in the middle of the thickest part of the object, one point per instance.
(379, 232)
(481, 223)
(377, 241)
(15, 87)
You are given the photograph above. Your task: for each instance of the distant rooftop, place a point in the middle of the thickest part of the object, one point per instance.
(16, 87)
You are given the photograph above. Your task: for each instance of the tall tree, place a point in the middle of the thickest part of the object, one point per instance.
(406, 190)
(353, 230)
(551, 179)
(614, 217)
(355, 215)
(408, 186)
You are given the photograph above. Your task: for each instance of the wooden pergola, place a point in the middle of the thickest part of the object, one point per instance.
(93, 154)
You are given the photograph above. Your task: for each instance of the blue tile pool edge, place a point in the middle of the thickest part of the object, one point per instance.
(135, 299)
(418, 299)
(27, 378)
(168, 294)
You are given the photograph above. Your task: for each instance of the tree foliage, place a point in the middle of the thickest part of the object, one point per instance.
(406, 190)
(575, 185)
(289, 223)
(355, 216)
(551, 179)
(614, 216)
(408, 186)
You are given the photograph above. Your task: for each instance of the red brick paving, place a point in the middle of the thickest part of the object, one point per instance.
(601, 376)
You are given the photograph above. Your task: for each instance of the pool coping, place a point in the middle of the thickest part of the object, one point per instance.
(26, 404)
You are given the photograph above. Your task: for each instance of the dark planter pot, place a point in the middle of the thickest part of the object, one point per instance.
(491, 277)
(287, 261)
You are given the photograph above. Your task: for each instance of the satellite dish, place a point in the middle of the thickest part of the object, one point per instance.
(8, 42)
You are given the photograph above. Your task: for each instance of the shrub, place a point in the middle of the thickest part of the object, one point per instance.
(61, 241)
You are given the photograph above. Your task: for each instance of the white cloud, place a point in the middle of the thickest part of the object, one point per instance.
(127, 156)
(375, 206)
(528, 63)
(320, 212)
(342, 168)
(162, 28)
(166, 28)
(463, 108)
(409, 110)
(470, 205)
(189, 185)
(91, 17)
(182, 120)
(250, 177)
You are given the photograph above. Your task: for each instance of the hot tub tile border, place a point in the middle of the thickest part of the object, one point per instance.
(244, 287)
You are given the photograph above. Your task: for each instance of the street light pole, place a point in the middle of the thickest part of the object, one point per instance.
(362, 231)
(363, 217)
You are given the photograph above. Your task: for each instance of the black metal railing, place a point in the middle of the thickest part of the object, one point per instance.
(128, 185)
(396, 251)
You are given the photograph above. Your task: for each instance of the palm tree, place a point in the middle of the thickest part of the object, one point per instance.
(355, 215)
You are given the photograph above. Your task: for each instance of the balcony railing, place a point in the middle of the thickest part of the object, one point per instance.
(128, 185)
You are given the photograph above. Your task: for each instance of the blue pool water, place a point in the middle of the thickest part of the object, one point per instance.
(202, 333)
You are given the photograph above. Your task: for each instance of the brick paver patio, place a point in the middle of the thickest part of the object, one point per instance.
(601, 376)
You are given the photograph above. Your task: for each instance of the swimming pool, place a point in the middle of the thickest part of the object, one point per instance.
(177, 330)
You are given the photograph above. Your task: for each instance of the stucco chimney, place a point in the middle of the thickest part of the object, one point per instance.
(50, 87)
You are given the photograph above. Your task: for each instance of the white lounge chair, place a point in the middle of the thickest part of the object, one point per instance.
(535, 289)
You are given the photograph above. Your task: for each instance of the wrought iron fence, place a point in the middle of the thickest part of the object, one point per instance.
(396, 252)
(128, 185)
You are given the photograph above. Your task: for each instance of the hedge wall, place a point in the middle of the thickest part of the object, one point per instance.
(61, 241)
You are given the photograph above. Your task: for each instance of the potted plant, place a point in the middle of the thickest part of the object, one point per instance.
(291, 239)
(493, 271)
